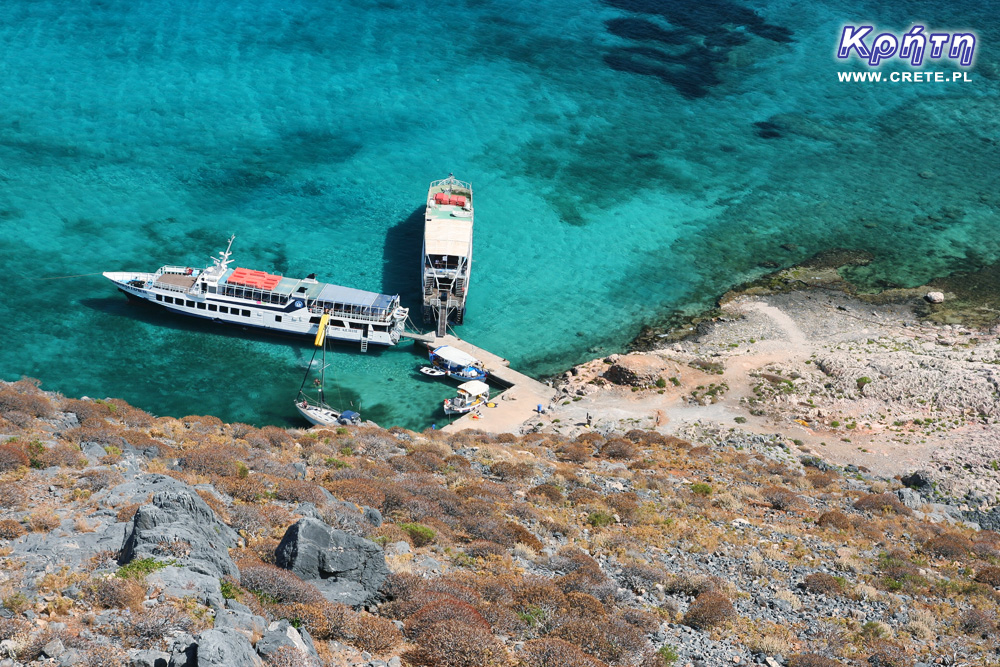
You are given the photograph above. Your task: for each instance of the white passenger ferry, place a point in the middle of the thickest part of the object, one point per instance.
(276, 303)
(446, 266)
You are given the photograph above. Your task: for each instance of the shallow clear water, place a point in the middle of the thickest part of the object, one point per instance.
(623, 171)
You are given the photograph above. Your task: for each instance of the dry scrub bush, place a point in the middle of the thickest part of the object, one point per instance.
(116, 593)
(692, 585)
(43, 521)
(444, 609)
(12, 456)
(882, 503)
(978, 622)
(323, 619)
(101, 478)
(549, 491)
(643, 621)
(213, 459)
(609, 639)
(485, 549)
(298, 491)
(31, 650)
(709, 609)
(11, 529)
(574, 452)
(619, 449)
(582, 496)
(989, 575)
(24, 396)
(148, 627)
(551, 652)
(362, 491)
(821, 582)
(834, 519)
(886, 653)
(948, 545)
(274, 585)
(373, 633)
(509, 471)
(452, 643)
(780, 498)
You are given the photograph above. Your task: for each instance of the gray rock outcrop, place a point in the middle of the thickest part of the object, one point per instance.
(226, 647)
(346, 568)
(176, 514)
(282, 635)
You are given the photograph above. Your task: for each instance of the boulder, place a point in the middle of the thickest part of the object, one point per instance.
(935, 297)
(54, 648)
(182, 582)
(225, 647)
(184, 652)
(910, 498)
(920, 479)
(635, 370)
(149, 658)
(346, 568)
(281, 634)
(177, 514)
(245, 621)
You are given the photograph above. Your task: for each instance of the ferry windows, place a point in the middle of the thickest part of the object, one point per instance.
(159, 297)
(213, 307)
(246, 313)
(168, 299)
(223, 309)
(277, 318)
(313, 320)
(201, 306)
(190, 304)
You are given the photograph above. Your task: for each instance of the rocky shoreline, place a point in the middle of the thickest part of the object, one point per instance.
(894, 381)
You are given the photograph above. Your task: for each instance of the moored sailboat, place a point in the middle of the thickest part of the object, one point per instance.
(315, 408)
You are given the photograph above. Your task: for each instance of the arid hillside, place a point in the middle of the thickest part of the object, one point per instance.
(127, 539)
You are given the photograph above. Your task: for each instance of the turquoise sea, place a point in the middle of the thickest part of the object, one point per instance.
(631, 159)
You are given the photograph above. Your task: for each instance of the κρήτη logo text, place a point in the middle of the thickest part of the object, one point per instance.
(914, 45)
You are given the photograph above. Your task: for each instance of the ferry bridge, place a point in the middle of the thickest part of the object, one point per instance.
(519, 399)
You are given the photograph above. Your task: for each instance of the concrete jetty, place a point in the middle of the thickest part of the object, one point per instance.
(518, 400)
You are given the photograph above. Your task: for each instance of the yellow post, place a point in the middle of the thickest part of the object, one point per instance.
(321, 332)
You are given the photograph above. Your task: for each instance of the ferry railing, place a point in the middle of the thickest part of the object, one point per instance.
(452, 181)
(180, 270)
(385, 316)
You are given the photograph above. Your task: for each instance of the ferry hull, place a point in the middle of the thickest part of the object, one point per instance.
(288, 320)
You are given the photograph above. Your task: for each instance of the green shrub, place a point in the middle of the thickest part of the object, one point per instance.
(661, 383)
(599, 519)
(419, 533)
(667, 654)
(140, 567)
(230, 589)
(701, 489)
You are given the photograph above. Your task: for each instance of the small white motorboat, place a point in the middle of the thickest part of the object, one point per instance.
(456, 364)
(471, 395)
(433, 372)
